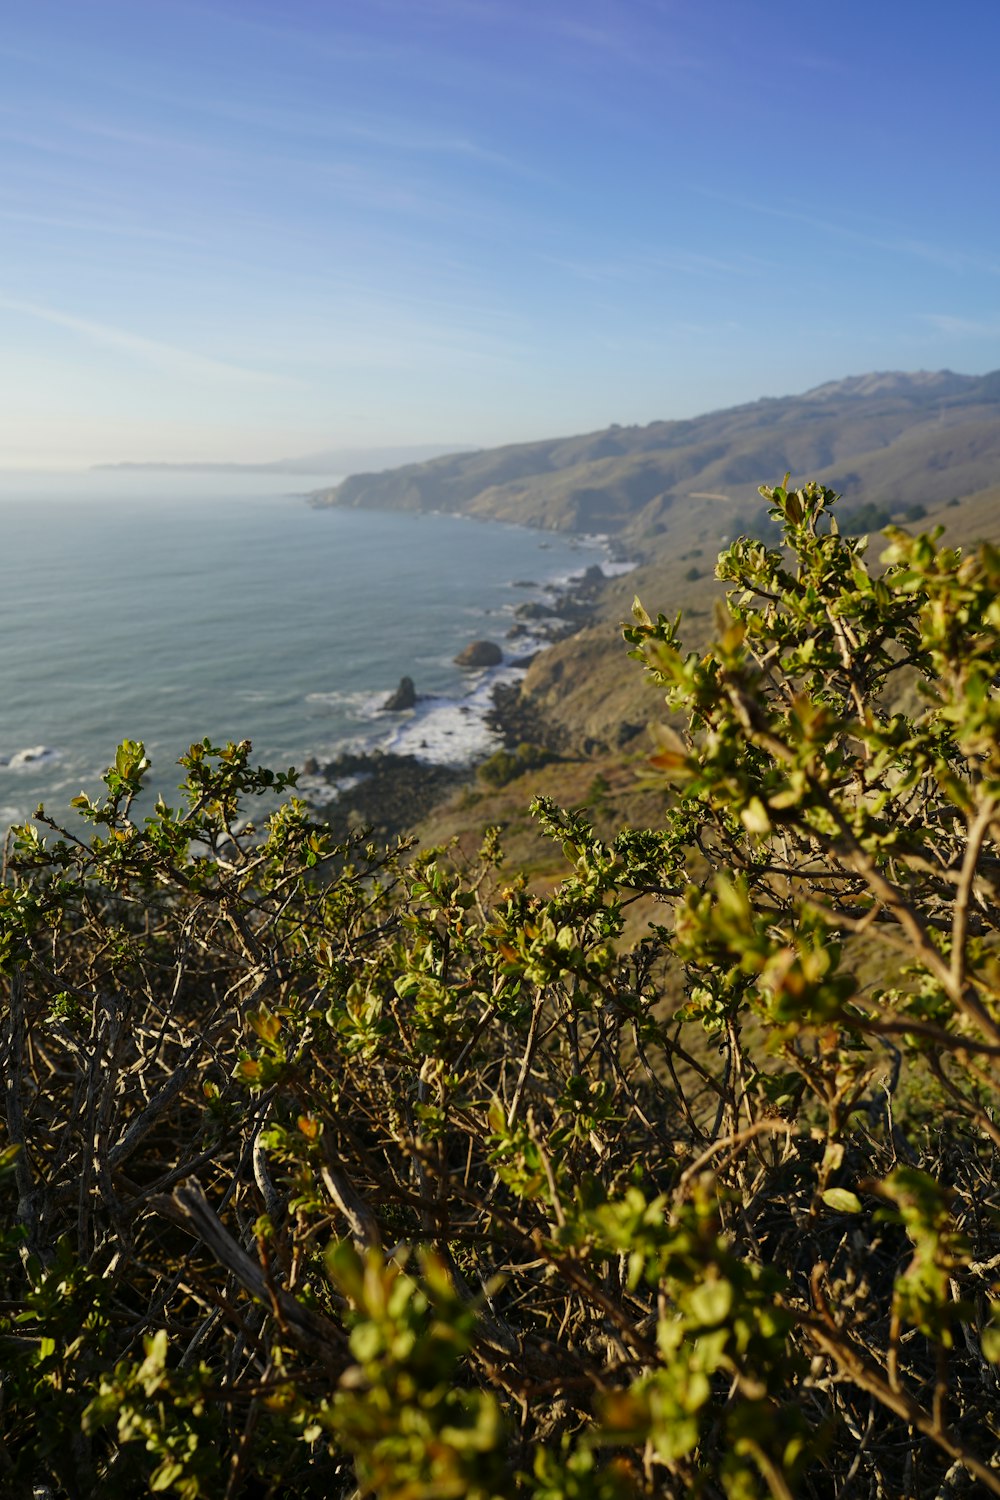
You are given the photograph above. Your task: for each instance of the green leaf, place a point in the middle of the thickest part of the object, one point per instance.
(991, 1334)
(164, 1475)
(842, 1201)
(754, 817)
(711, 1302)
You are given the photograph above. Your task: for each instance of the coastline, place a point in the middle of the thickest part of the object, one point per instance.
(289, 628)
(397, 783)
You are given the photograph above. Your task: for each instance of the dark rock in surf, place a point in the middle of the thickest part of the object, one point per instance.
(532, 610)
(479, 654)
(405, 697)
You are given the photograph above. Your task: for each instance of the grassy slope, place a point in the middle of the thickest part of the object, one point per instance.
(926, 437)
(585, 688)
(672, 494)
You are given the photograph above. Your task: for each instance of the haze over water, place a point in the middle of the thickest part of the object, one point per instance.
(165, 608)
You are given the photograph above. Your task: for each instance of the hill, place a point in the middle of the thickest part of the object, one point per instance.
(888, 437)
(914, 448)
(583, 698)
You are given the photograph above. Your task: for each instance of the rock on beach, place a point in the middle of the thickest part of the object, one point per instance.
(479, 654)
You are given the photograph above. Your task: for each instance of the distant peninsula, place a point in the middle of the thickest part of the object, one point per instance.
(330, 461)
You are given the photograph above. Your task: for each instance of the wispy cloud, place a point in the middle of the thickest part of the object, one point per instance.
(396, 135)
(185, 363)
(389, 132)
(888, 240)
(977, 328)
(620, 31)
(385, 131)
(638, 267)
(96, 226)
(717, 329)
(84, 138)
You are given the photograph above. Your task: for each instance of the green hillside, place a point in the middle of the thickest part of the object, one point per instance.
(922, 437)
(584, 700)
(917, 449)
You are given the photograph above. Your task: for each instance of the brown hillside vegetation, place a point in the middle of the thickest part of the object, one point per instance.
(331, 1171)
(579, 683)
(891, 438)
(577, 691)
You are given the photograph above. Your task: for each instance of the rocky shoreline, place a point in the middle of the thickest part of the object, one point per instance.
(389, 793)
(386, 793)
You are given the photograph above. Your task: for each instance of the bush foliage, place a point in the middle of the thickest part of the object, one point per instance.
(504, 766)
(331, 1171)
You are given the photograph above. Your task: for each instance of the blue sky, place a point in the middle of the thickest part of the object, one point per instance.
(249, 228)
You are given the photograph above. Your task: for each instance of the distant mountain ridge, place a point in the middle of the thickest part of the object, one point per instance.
(932, 383)
(887, 437)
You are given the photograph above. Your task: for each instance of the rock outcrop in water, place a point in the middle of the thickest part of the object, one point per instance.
(479, 654)
(405, 697)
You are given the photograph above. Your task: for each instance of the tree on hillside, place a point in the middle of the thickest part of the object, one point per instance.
(332, 1171)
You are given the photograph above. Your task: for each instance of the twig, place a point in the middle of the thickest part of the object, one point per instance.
(188, 1207)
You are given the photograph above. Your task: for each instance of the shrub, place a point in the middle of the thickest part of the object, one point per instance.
(336, 1172)
(504, 765)
(867, 518)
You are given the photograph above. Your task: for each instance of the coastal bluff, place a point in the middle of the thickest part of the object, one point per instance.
(888, 437)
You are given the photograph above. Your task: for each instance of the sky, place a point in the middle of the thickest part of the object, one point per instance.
(248, 229)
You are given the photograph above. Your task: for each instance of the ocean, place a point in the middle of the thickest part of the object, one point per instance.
(165, 607)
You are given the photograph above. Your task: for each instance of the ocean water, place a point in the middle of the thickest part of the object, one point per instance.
(166, 608)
